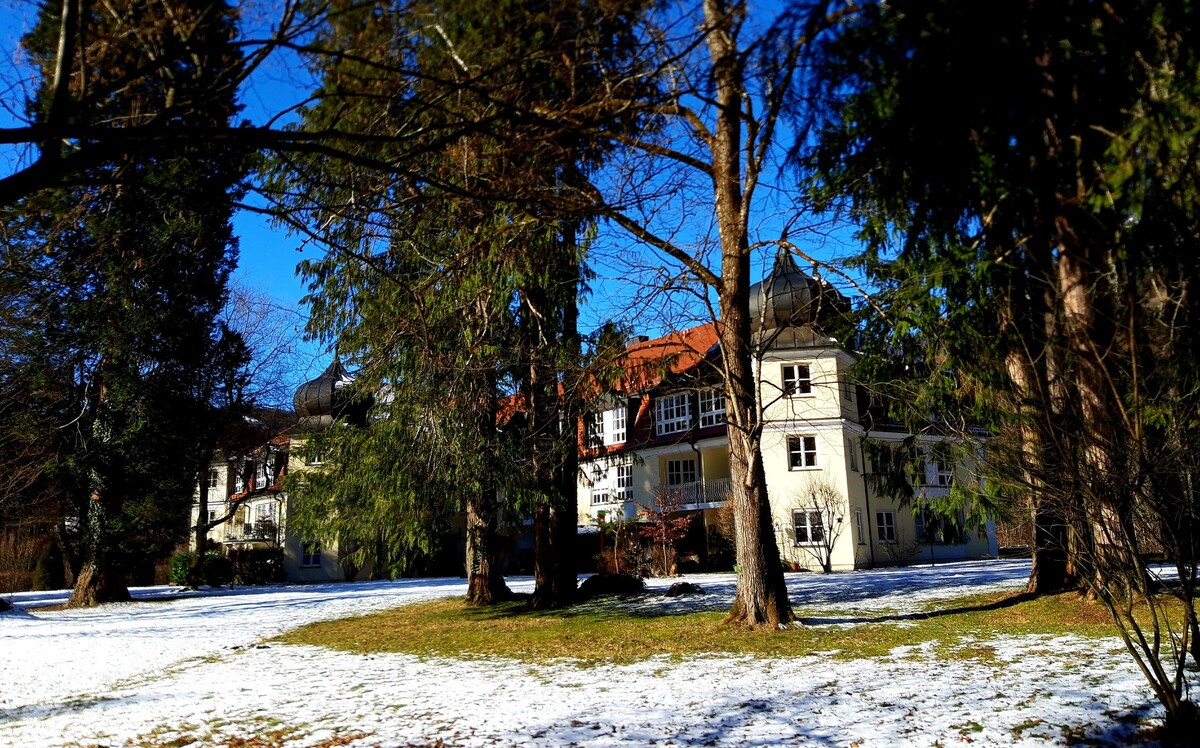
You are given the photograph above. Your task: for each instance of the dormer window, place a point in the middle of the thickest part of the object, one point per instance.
(672, 414)
(606, 427)
(797, 380)
(712, 408)
(594, 429)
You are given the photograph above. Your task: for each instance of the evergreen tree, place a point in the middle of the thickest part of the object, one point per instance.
(1028, 200)
(130, 272)
(477, 227)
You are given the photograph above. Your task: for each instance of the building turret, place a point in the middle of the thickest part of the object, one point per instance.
(791, 309)
(324, 400)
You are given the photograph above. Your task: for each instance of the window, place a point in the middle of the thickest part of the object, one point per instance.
(712, 408)
(797, 380)
(624, 482)
(600, 496)
(614, 431)
(885, 523)
(680, 472)
(310, 554)
(848, 391)
(809, 526)
(943, 472)
(802, 452)
(858, 528)
(214, 478)
(314, 458)
(594, 429)
(852, 454)
(266, 512)
(212, 515)
(672, 414)
(935, 528)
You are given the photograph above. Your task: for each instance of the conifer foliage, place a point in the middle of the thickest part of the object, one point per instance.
(123, 276)
(456, 267)
(1027, 186)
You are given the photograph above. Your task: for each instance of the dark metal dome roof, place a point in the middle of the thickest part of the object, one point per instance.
(323, 400)
(790, 298)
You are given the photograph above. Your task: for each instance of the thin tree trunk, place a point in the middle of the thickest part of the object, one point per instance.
(200, 531)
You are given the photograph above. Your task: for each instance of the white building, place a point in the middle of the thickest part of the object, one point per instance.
(248, 490)
(660, 432)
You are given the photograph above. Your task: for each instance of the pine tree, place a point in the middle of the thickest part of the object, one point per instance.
(1036, 216)
(132, 272)
(461, 269)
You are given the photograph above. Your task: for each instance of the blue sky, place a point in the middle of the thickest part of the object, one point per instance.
(269, 255)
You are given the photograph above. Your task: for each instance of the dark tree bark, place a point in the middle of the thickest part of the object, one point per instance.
(761, 591)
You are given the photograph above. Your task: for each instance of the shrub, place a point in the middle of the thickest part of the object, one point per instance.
(256, 565)
(48, 574)
(216, 569)
(181, 566)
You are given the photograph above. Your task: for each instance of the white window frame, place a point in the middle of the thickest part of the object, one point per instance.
(681, 468)
(811, 523)
(623, 479)
(310, 554)
(803, 446)
(614, 426)
(712, 407)
(852, 454)
(214, 478)
(797, 380)
(593, 428)
(600, 496)
(265, 511)
(885, 526)
(672, 414)
(943, 472)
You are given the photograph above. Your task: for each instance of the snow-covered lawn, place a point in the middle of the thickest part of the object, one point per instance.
(200, 668)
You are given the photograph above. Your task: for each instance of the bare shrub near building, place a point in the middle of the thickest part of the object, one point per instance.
(665, 523)
(818, 518)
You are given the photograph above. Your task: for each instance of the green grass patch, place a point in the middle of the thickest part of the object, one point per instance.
(451, 628)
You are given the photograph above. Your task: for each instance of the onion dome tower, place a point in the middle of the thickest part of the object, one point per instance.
(791, 309)
(325, 400)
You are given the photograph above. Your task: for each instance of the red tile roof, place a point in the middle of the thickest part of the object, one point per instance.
(645, 365)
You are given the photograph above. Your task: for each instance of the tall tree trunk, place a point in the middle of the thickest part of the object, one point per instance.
(542, 400)
(101, 580)
(195, 575)
(564, 512)
(761, 590)
(485, 581)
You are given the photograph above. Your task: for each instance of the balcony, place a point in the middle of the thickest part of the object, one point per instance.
(262, 531)
(701, 494)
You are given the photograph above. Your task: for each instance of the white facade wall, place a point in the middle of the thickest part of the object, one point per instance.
(821, 406)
